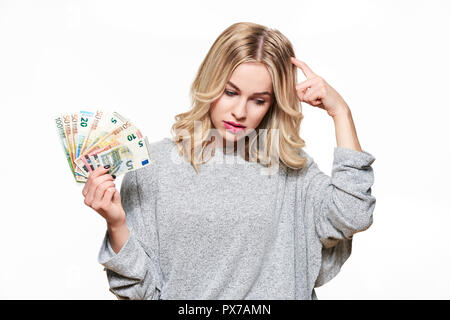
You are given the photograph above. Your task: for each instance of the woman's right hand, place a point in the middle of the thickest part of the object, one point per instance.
(100, 194)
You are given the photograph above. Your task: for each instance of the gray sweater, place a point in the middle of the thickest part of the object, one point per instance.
(231, 232)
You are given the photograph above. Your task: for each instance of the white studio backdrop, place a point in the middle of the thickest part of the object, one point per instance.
(388, 59)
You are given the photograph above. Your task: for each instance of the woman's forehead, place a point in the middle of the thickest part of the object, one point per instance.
(251, 77)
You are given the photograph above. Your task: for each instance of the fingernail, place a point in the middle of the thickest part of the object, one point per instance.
(114, 176)
(107, 166)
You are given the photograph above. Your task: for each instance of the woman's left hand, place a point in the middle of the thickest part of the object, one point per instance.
(317, 92)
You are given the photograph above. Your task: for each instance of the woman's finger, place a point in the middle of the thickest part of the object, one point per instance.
(93, 183)
(86, 187)
(304, 67)
(302, 86)
(108, 195)
(316, 103)
(100, 191)
(116, 197)
(90, 195)
(98, 171)
(311, 95)
(99, 194)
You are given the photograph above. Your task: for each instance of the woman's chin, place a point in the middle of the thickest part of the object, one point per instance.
(233, 137)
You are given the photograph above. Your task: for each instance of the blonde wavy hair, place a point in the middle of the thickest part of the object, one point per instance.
(239, 43)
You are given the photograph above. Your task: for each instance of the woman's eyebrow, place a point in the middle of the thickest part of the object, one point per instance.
(256, 93)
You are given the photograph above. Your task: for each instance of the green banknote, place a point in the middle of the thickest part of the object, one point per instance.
(62, 137)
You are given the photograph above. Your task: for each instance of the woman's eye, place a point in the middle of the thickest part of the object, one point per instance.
(230, 93)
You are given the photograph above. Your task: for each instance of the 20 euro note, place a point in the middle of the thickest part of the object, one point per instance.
(102, 124)
(84, 126)
(74, 138)
(125, 157)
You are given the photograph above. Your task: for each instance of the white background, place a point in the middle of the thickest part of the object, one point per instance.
(389, 60)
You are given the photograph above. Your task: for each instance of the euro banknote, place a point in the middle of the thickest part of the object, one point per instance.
(62, 138)
(123, 157)
(92, 139)
(123, 134)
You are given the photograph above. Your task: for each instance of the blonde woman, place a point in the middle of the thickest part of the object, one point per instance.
(233, 207)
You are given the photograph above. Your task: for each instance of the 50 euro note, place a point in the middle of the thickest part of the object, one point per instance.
(66, 121)
(64, 141)
(124, 157)
(69, 123)
(65, 132)
(124, 134)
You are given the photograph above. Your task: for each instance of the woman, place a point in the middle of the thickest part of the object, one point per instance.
(204, 221)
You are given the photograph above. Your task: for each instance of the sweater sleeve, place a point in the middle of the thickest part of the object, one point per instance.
(342, 205)
(133, 273)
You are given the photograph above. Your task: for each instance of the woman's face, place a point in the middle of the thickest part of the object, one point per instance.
(246, 99)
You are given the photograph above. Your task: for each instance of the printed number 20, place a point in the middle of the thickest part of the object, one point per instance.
(83, 122)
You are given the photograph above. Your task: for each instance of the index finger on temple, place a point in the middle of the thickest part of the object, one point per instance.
(304, 67)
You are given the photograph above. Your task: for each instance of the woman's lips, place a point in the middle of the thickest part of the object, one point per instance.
(232, 128)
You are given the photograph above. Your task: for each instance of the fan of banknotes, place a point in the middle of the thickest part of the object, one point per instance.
(93, 139)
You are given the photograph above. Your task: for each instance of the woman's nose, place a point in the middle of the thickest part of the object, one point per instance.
(240, 109)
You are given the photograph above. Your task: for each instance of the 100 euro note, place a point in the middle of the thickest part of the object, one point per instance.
(125, 157)
(64, 142)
